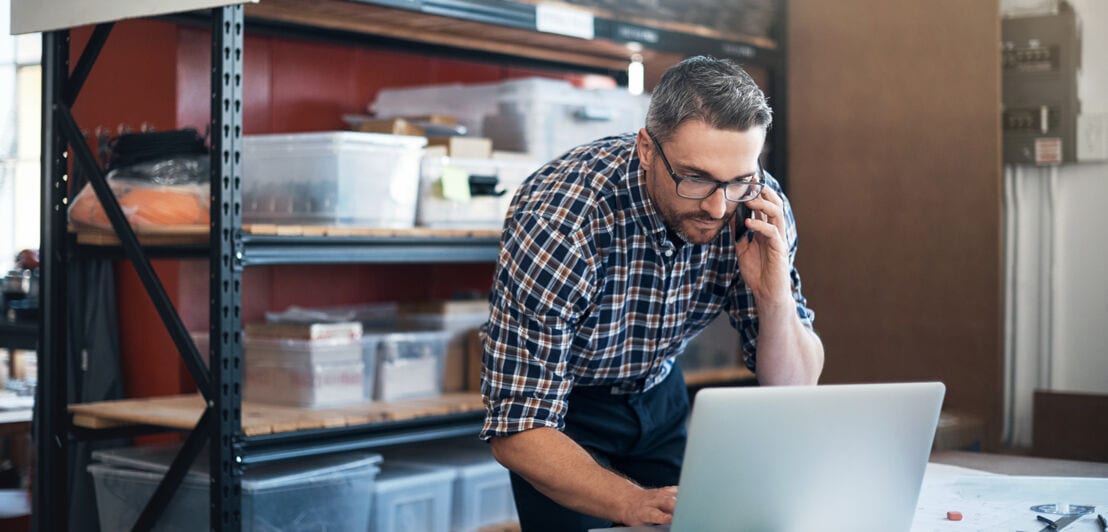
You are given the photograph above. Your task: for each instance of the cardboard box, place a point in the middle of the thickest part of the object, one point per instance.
(464, 147)
(305, 331)
(475, 352)
(392, 126)
(446, 120)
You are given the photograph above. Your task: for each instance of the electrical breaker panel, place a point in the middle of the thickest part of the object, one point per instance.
(1040, 58)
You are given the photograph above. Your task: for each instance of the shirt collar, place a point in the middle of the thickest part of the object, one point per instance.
(641, 207)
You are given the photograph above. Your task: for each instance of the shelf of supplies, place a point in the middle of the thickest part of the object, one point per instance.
(183, 411)
(710, 376)
(510, 28)
(268, 244)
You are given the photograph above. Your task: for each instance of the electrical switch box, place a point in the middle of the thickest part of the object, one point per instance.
(1040, 58)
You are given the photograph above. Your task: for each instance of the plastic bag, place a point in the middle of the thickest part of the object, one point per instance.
(172, 191)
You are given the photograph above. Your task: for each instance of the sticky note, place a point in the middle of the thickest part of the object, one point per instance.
(455, 183)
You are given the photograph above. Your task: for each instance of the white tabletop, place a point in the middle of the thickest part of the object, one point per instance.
(990, 501)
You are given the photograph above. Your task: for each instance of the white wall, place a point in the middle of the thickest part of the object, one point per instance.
(1080, 363)
(1056, 326)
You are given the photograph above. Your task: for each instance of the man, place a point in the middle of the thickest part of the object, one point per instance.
(614, 256)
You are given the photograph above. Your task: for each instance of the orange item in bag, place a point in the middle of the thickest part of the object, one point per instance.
(145, 204)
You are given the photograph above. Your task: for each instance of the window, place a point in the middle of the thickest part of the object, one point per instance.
(20, 134)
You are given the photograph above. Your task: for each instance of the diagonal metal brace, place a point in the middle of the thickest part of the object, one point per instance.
(131, 247)
(155, 507)
(84, 65)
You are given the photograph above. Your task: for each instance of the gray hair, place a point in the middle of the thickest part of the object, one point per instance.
(716, 91)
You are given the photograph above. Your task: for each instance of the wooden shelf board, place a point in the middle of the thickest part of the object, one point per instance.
(679, 27)
(174, 235)
(183, 411)
(408, 25)
(704, 377)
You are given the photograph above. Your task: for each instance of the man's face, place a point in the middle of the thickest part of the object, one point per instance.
(698, 150)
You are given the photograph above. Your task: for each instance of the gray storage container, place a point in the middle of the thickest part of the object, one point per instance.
(412, 498)
(482, 488)
(322, 493)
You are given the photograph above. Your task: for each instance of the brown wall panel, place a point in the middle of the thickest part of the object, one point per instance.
(895, 178)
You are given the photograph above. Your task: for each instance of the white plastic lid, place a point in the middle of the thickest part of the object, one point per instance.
(157, 458)
(399, 475)
(330, 139)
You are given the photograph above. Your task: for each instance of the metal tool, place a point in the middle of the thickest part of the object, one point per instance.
(1060, 523)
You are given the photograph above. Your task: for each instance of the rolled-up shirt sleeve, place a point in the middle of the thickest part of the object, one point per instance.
(740, 303)
(543, 284)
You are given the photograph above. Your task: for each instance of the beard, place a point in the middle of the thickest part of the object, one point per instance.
(676, 223)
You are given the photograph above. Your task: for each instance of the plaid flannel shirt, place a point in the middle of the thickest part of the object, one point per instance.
(590, 291)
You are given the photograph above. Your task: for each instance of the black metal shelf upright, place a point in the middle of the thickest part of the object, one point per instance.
(219, 425)
(64, 150)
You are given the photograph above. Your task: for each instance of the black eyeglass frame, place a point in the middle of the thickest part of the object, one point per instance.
(677, 180)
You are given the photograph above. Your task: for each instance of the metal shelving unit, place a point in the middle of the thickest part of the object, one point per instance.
(230, 250)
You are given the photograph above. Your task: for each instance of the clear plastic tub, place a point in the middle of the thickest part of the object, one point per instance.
(480, 211)
(332, 178)
(410, 364)
(469, 102)
(412, 498)
(457, 319)
(376, 316)
(315, 373)
(544, 117)
(482, 488)
(324, 493)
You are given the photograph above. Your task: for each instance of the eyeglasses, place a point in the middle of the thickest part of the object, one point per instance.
(742, 190)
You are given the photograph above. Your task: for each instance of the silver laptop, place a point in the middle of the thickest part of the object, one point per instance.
(802, 458)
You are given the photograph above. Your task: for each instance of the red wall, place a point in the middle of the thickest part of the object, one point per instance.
(158, 73)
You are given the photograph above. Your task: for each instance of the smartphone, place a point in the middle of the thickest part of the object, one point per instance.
(740, 224)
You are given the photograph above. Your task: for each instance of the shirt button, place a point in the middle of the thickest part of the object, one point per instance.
(669, 252)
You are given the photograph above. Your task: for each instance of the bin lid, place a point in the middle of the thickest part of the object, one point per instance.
(468, 458)
(397, 475)
(156, 459)
(330, 139)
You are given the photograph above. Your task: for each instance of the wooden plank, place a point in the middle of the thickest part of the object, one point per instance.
(402, 24)
(165, 235)
(678, 27)
(94, 422)
(183, 411)
(179, 411)
(173, 235)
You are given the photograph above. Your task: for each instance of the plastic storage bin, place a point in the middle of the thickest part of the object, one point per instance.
(308, 373)
(412, 498)
(484, 210)
(469, 102)
(335, 178)
(545, 118)
(409, 364)
(457, 319)
(324, 493)
(482, 488)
